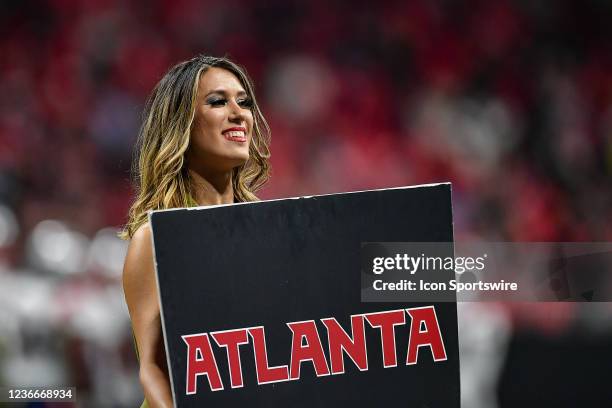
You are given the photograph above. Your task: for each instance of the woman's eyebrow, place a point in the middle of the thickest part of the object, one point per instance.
(224, 92)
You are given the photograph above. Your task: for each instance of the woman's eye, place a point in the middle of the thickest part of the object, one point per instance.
(246, 103)
(217, 102)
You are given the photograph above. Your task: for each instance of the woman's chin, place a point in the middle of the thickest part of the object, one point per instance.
(238, 160)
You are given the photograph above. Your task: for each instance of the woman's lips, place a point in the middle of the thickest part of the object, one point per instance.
(235, 135)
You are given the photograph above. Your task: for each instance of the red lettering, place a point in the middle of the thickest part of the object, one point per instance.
(204, 364)
(430, 336)
(231, 340)
(265, 373)
(306, 346)
(354, 346)
(311, 351)
(386, 322)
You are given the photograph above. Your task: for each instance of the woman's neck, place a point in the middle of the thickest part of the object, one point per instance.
(212, 188)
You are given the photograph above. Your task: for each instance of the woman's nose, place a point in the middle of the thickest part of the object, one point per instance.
(236, 111)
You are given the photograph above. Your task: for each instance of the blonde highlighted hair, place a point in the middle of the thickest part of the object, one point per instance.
(159, 170)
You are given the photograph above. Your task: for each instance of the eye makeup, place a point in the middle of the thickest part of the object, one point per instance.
(246, 102)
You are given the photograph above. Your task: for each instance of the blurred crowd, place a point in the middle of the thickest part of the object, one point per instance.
(511, 101)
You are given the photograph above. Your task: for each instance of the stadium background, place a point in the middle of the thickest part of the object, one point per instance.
(509, 100)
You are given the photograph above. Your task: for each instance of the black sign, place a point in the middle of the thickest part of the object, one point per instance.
(261, 304)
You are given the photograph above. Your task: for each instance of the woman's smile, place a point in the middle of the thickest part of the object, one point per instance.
(235, 134)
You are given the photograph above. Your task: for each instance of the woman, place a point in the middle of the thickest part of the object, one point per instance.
(203, 141)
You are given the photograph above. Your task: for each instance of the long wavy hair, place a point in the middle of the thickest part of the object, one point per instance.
(159, 170)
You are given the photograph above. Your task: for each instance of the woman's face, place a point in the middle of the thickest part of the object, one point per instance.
(223, 123)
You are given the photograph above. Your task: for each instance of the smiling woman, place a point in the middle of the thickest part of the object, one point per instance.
(203, 141)
(221, 130)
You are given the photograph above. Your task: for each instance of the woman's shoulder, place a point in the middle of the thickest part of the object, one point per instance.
(142, 233)
(139, 257)
(141, 240)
